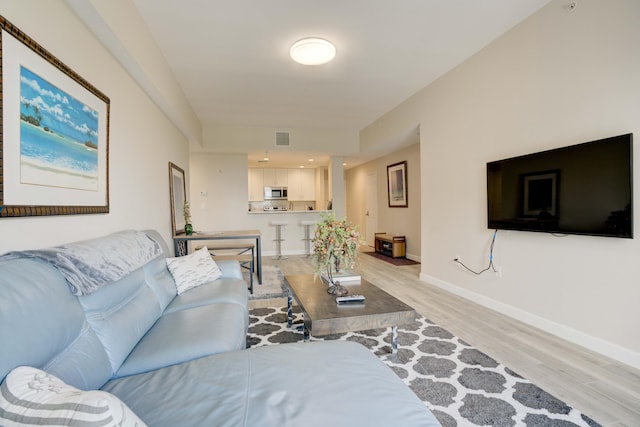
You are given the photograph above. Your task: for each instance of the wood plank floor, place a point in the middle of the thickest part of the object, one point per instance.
(602, 388)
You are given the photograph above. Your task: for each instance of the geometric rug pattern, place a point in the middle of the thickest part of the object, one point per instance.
(459, 384)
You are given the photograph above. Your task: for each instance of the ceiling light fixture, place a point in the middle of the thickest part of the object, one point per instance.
(312, 51)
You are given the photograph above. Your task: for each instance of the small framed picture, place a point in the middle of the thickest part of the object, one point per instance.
(397, 185)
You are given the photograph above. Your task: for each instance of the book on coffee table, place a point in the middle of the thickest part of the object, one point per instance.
(345, 277)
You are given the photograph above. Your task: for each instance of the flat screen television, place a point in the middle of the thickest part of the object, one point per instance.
(580, 189)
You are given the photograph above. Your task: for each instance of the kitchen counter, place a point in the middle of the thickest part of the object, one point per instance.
(286, 212)
(293, 234)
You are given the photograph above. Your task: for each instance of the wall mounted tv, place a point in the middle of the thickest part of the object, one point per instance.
(580, 189)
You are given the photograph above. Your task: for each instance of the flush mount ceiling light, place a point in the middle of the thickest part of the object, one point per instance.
(312, 51)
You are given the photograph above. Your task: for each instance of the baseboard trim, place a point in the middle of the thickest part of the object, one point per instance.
(413, 257)
(606, 348)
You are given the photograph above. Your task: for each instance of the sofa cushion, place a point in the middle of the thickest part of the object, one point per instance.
(193, 270)
(121, 314)
(43, 325)
(189, 334)
(31, 397)
(84, 363)
(330, 383)
(230, 268)
(158, 278)
(222, 290)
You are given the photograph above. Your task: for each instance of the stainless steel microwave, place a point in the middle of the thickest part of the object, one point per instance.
(275, 193)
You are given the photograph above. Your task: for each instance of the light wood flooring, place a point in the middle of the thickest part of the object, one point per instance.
(601, 388)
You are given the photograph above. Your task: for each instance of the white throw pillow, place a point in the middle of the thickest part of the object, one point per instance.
(193, 270)
(30, 397)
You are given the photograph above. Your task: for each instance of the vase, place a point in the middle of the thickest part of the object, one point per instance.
(188, 229)
(335, 288)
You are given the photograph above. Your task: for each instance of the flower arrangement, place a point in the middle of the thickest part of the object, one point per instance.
(335, 246)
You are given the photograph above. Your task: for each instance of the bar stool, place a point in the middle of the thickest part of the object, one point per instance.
(279, 239)
(307, 237)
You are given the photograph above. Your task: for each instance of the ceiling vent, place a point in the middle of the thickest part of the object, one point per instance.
(282, 139)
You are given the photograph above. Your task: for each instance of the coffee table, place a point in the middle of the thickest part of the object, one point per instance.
(323, 316)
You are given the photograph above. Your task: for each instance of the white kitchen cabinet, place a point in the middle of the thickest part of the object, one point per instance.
(275, 177)
(256, 185)
(302, 185)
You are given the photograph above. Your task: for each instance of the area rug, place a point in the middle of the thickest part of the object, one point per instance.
(394, 261)
(273, 283)
(459, 384)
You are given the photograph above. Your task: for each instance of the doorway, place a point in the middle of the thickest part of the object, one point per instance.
(371, 207)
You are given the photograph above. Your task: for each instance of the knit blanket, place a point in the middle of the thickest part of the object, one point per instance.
(91, 264)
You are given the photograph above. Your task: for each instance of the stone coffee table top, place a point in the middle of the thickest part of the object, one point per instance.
(323, 316)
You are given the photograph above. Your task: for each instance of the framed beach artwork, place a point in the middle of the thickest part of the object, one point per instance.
(178, 195)
(397, 185)
(55, 134)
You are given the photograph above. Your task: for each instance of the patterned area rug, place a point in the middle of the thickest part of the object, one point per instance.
(390, 260)
(459, 384)
(273, 284)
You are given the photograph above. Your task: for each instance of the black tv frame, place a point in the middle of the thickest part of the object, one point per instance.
(540, 213)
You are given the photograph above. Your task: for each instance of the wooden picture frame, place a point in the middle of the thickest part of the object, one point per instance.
(397, 185)
(54, 138)
(178, 195)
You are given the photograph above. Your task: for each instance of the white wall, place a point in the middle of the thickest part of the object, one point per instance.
(224, 179)
(399, 221)
(121, 29)
(142, 140)
(242, 139)
(557, 79)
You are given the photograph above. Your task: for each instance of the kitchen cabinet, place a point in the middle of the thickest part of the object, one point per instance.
(275, 177)
(256, 185)
(302, 185)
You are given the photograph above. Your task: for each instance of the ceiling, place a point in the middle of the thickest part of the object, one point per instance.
(231, 57)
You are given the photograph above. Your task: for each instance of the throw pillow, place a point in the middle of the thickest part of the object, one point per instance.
(30, 397)
(193, 270)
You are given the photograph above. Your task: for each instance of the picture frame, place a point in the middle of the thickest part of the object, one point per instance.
(540, 194)
(178, 196)
(54, 134)
(397, 194)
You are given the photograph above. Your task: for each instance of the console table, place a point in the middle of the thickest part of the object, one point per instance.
(390, 245)
(181, 242)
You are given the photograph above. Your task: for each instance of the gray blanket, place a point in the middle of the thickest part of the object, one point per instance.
(90, 264)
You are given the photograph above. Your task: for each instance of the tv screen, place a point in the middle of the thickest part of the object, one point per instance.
(580, 189)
